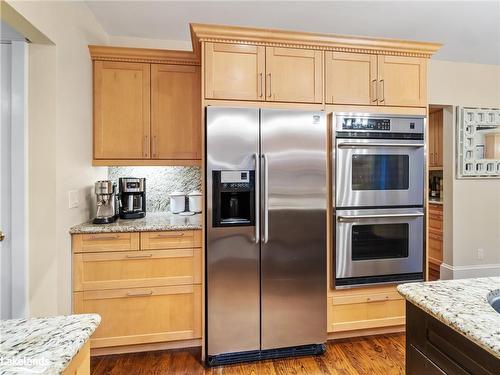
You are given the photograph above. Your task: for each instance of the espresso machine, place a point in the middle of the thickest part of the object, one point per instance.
(105, 192)
(132, 197)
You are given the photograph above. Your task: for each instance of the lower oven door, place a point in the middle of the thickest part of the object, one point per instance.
(376, 173)
(379, 246)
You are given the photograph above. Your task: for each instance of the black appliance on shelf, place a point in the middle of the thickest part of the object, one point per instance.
(132, 197)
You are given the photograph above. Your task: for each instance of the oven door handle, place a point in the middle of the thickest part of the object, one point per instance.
(373, 144)
(377, 216)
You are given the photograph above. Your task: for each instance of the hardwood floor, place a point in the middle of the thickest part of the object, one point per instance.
(369, 355)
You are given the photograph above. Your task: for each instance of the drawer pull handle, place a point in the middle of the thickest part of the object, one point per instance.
(377, 299)
(140, 294)
(101, 238)
(169, 235)
(139, 256)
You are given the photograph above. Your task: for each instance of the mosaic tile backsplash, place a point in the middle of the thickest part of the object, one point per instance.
(160, 182)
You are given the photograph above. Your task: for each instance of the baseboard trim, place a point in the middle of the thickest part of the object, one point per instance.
(180, 344)
(449, 272)
(366, 332)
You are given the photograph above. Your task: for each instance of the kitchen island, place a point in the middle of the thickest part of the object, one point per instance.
(451, 327)
(47, 346)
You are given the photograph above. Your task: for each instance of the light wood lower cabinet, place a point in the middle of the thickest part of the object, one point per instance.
(365, 308)
(435, 240)
(145, 286)
(170, 239)
(80, 364)
(143, 315)
(98, 271)
(91, 243)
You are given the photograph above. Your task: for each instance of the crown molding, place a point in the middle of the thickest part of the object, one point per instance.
(325, 42)
(144, 55)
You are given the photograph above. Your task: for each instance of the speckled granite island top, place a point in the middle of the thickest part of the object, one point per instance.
(43, 345)
(154, 221)
(462, 305)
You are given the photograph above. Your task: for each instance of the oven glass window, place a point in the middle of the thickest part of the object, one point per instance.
(380, 172)
(380, 241)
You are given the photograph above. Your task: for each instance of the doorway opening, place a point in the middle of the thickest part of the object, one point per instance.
(13, 174)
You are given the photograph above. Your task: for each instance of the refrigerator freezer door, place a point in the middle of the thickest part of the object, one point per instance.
(232, 254)
(293, 235)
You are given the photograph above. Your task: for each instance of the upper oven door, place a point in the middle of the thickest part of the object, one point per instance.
(379, 172)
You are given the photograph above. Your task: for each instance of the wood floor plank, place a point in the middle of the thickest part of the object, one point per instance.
(383, 355)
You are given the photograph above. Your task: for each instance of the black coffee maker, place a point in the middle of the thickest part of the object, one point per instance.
(132, 197)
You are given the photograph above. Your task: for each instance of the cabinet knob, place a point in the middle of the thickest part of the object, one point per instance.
(2, 236)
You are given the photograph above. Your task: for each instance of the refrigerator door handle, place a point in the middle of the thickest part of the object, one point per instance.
(257, 198)
(266, 198)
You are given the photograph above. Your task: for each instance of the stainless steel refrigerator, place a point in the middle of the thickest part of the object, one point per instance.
(266, 233)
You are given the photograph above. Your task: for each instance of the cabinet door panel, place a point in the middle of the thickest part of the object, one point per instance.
(365, 308)
(234, 71)
(121, 110)
(351, 78)
(402, 81)
(294, 75)
(142, 315)
(99, 271)
(175, 112)
(438, 143)
(432, 139)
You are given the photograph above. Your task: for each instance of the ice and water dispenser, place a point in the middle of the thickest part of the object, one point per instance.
(233, 198)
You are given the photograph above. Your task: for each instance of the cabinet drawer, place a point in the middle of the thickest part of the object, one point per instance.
(143, 315)
(352, 311)
(91, 243)
(435, 222)
(100, 271)
(170, 239)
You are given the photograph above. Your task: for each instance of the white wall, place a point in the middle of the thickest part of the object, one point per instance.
(127, 41)
(60, 126)
(472, 221)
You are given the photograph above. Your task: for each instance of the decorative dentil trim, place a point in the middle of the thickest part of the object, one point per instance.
(324, 42)
(143, 55)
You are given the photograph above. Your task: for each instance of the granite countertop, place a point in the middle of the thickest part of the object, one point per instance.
(462, 305)
(43, 345)
(154, 221)
(435, 200)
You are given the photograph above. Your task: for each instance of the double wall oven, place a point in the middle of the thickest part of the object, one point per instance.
(379, 165)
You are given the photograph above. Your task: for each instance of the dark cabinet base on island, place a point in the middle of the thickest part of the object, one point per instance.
(434, 348)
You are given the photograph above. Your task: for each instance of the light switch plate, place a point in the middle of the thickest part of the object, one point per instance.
(73, 199)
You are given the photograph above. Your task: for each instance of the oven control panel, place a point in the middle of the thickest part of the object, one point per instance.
(374, 124)
(362, 125)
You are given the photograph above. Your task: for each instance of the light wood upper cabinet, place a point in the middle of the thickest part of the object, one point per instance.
(234, 71)
(402, 81)
(175, 112)
(294, 75)
(351, 78)
(435, 139)
(121, 110)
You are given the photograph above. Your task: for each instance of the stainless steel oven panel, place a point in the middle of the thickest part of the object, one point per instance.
(399, 123)
(346, 196)
(346, 219)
